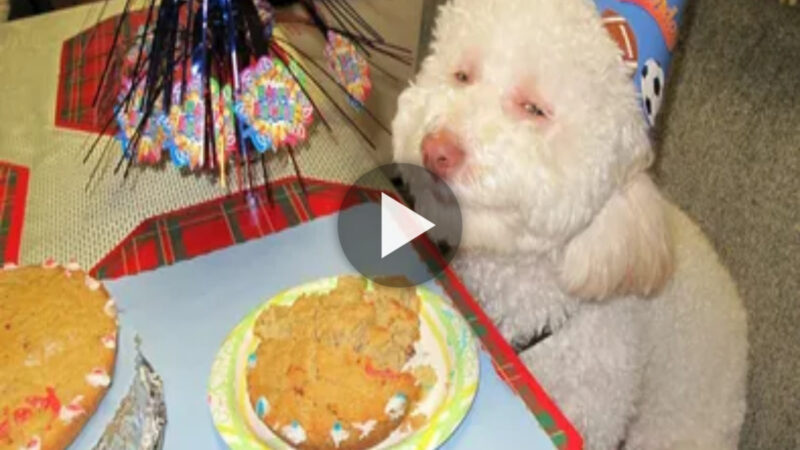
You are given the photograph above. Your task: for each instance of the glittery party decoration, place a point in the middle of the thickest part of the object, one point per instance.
(349, 67)
(187, 124)
(273, 106)
(224, 131)
(215, 84)
(144, 140)
(266, 14)
(151, 140)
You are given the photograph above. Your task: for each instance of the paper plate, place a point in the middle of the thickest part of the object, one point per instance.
(446, 344)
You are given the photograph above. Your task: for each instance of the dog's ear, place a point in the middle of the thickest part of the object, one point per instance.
(626, 249)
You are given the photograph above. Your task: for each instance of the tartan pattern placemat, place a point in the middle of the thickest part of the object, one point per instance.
(219, 223)
(13, 196)
(83, 58)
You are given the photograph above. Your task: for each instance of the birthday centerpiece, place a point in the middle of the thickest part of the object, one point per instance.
(210, 86)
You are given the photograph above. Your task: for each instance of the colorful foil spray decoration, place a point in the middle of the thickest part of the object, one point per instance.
(224, 131)
(350, 68)
(273, 106)
(154, 135)
(210, 84)
(186, 122)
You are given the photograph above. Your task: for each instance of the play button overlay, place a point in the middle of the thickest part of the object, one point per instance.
(399, 225)
(389, 241)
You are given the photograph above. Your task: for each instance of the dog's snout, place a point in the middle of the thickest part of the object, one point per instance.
(442, 152)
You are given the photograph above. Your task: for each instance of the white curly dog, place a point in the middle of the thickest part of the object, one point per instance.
(525, 109)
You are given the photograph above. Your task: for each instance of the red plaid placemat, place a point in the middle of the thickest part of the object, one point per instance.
(13, 195)
(219, 223)
(83, 58)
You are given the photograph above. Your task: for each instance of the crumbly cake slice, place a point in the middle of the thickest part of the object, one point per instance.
(322, 397)
(327, 372)
(58, 328)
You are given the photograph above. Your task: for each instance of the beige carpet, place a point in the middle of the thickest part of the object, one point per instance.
(729, 147)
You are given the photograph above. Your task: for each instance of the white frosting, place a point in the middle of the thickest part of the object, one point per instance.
(110, 308)
(98, 378)
(72, 410)
(9, 266)
(72, 265)
(34, 444)
(365, 427)
(109, 341)
(294, 433)
(396, 406)
(339, 434)
(52, 348)
(92, 284)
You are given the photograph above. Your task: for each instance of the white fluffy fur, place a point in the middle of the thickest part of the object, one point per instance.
(564, 229)
(625, 249)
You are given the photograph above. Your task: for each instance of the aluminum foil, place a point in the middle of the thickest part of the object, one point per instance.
(141, 416)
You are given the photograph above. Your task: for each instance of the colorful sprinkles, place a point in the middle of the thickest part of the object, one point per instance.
(294, 433)
(339, 434)
(262, 407)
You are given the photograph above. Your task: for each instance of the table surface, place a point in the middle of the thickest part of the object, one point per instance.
(184, 312)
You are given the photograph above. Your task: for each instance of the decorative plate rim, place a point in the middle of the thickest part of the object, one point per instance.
(462, 354)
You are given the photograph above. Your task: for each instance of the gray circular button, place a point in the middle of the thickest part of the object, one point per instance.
(395, 243)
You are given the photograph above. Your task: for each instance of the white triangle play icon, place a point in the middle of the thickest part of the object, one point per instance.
(399, 225)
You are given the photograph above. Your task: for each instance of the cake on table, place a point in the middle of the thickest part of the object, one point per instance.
(329, 370)
(58, 331)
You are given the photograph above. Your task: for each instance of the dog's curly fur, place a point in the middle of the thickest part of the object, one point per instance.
(564, 230)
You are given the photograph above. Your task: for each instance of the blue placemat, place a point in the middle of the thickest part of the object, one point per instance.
(184, 312)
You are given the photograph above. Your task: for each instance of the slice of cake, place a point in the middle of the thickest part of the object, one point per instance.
(327, 373)
(58, 331)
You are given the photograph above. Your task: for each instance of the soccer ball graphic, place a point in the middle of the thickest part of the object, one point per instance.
(652, 84)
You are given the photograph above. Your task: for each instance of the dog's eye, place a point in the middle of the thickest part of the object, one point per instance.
(461, 76)
(532, 109)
